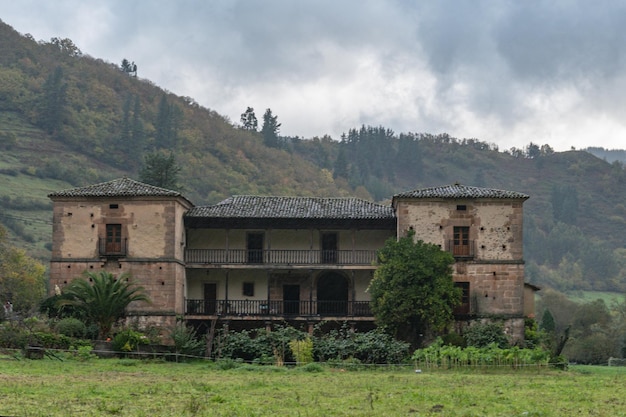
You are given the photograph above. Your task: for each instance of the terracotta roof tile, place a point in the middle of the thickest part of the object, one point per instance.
(293, 208)
(121, 187)
(455, 191)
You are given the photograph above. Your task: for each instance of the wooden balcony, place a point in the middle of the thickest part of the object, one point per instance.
(464, 249)
(117, 248)
(280, 257)
(277, 308)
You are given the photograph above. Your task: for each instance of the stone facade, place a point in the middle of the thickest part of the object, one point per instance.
(196, 261)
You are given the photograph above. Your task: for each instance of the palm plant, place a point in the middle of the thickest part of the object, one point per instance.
(103, 298)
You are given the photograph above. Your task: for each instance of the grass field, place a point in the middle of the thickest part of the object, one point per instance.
(134, 388)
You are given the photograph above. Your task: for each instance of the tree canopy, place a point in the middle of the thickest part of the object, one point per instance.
(249, 120)
(412, 290)
(160, 170)
(270, 129)
(22, 279)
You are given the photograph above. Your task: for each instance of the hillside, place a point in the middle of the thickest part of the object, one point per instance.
(67, 119)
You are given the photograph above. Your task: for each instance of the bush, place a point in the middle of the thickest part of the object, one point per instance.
(186, 342)
(302, 350)
(286, 344)
(374, 346)
(128, 340)
(482, 335)
(71, 327)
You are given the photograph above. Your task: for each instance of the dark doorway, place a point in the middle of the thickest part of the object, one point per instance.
(291, 299)
(329, 248)
(332, 294)
(210, 298)
(255, 248)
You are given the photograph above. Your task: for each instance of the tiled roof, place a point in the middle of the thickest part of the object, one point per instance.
(121, 187)
(293, 208)
(460, 191)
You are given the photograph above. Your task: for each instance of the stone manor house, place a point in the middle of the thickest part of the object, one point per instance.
(252, 261)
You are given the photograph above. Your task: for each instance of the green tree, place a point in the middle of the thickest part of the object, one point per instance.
(249, 120)
(340, 168)
(160, 170)
(270, 129)
(66, 46)
(22, 278)
(129, 67)
(52, 105)
(167, 124)
(103, 298)
(564, 201)
(412, 290)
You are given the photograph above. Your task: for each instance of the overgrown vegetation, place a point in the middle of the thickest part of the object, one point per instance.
(438, 355)
(289, 345)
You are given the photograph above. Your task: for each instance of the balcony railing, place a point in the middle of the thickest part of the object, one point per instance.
(278, 308)
(280, 257)
(108, 248)
(461, 249)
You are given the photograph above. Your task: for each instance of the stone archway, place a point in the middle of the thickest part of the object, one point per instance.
(332, 294)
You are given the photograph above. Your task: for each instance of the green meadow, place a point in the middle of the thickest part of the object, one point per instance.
(124, 387)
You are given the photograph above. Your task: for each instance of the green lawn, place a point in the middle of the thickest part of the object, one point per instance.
(133, 388)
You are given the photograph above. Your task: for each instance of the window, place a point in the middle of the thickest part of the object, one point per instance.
(248, 289)
(464, 307)
(461, 242)
(113, 238)
(114, 206)
(461, 207)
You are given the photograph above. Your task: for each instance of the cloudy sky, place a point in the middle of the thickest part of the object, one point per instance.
(505, 72)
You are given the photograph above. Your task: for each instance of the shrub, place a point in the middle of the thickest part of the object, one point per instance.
(374, 346)
(71, 327)
(302, 350)
(312, 367)
(127, 341)
(245, 345)
(186, 341)
(482, 335)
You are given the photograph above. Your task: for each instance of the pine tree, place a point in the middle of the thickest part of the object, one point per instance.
(249, 120)
(160, 170)
(270, 129)
(52, 106)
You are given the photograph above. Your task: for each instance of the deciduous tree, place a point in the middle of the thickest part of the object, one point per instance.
(412, 290)
(22, 279)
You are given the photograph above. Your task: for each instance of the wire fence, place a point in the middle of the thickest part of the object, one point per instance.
(37, 352)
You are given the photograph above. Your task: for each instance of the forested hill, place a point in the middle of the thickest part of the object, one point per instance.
(68, 119)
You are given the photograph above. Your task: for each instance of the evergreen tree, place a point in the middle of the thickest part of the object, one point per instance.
(138, 136)
(249, 120)
(126, 125)
(564, 204)
(340, 169)
(167, 124)
(161, 170)
(52, 106)
(270, 129)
